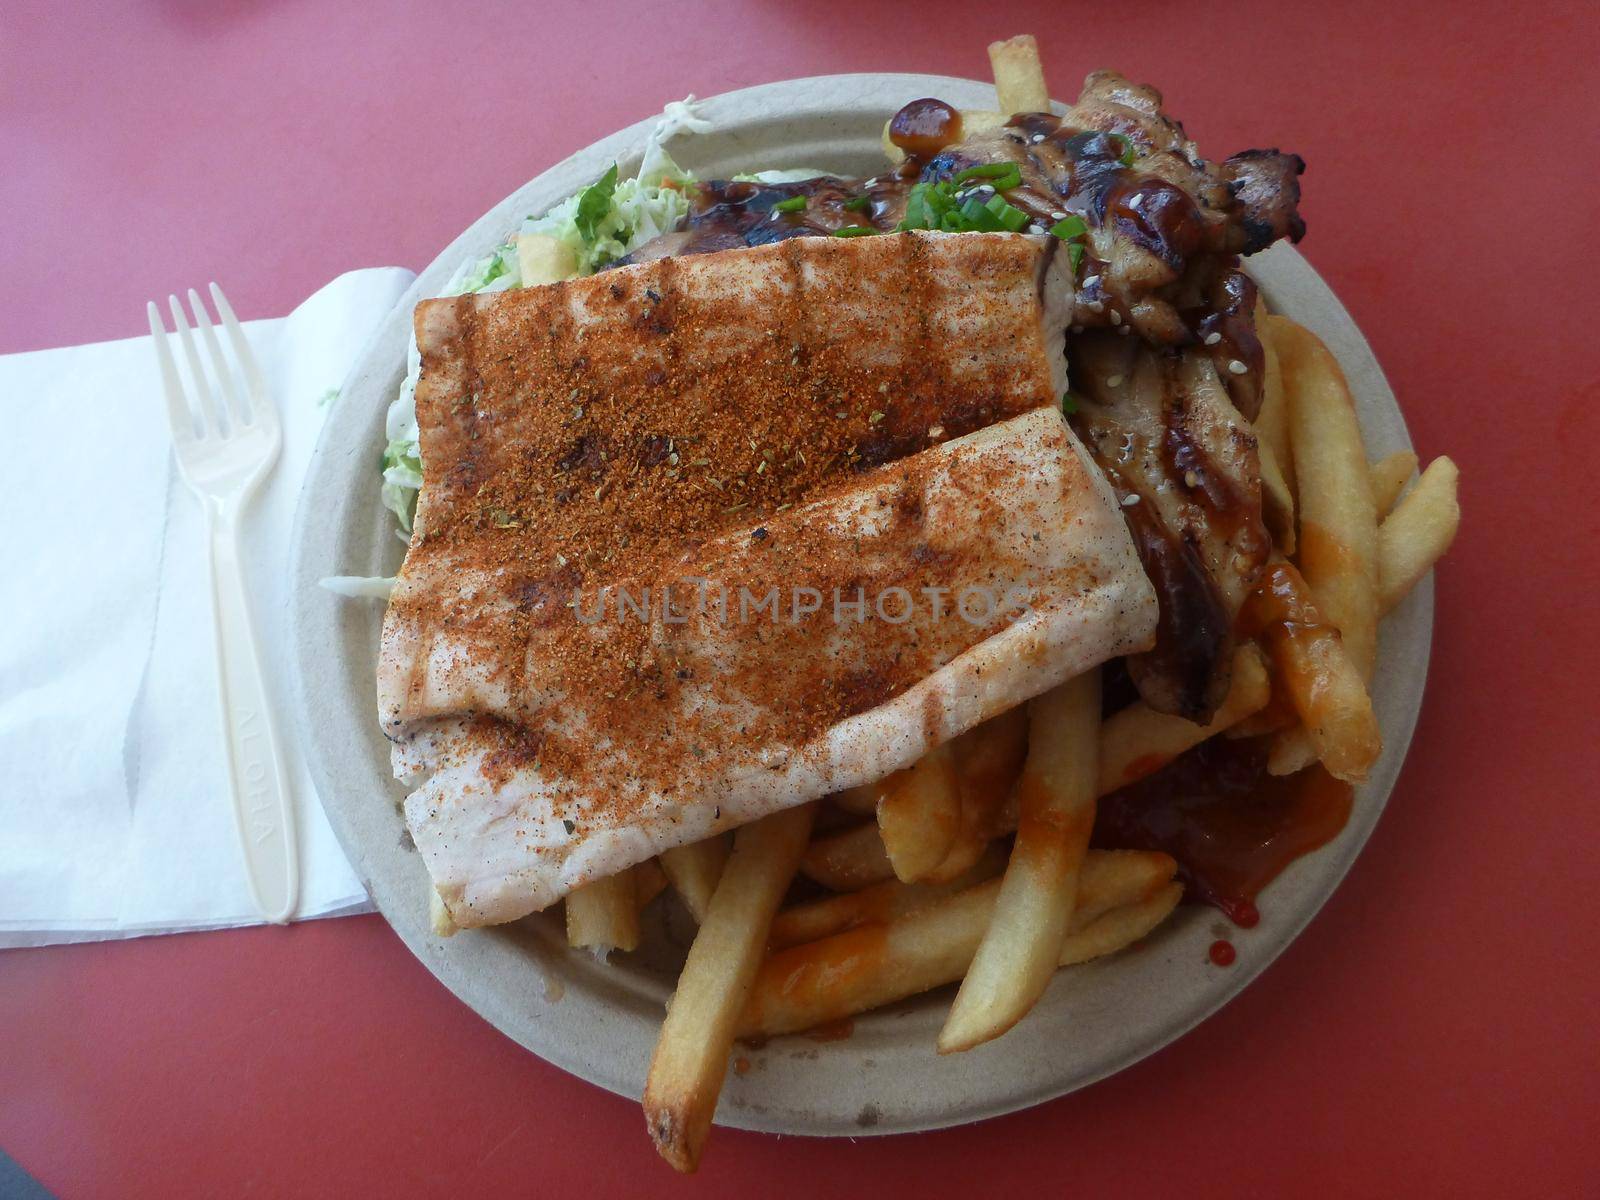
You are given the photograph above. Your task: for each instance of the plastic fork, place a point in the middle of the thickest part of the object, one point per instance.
(226, 436)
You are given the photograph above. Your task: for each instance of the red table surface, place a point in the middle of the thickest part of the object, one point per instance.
(1434, 1028)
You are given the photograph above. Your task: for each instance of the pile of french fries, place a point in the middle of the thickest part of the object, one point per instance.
(973, 865)
(924, 889)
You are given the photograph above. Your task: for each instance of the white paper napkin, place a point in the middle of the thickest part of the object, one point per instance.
(115, 819)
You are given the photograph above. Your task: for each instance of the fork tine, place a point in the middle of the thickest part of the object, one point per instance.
(261, 407)
(219, 365)
(179, 415)
(202, 386)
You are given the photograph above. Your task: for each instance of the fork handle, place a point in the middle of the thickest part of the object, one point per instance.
(263, 812)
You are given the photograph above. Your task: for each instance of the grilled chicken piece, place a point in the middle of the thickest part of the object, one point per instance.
(867, 413)
(1166, 227)
(1184, 463)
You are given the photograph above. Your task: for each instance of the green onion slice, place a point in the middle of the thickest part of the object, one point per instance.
(1069, 228)
(1002, 175)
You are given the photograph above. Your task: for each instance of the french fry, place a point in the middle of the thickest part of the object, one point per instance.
(1272, 421)
(1018, 75)
(1291, 752)
(886, 901)
(1271, 719)
(1138, 740)
(691, 1055)
(604, 915)
(1389, 478)
(693, 871)
(1120, 927)
(861, 801)
(873, 965)
(1277, 501)
(848, 861)
(439, 918)
(1418, 532)
(988, 760)
(649, 881)
(919, 814)
(1039, 891)
(1338, 550)
(1133, 743)
(973, 120)
(1327, 689)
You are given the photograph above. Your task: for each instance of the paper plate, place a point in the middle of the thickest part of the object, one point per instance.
(600, 1022)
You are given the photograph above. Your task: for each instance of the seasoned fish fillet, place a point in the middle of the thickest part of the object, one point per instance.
(615, 630)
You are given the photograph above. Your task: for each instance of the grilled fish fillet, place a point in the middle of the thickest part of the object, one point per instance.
(871, 419)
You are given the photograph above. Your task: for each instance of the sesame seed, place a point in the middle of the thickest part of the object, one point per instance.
(1213, 338)
(1190, 478)
(1116, 317)
(1037, 138)
(1237, 367)
(1090, 280)
(936, 431)
(1036, 228)
(1138, 199)
(1096, 306)
(1130, 500)
(1114, 381)
(1058, 216)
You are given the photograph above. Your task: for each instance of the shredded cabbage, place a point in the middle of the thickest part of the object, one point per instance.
(601, 223)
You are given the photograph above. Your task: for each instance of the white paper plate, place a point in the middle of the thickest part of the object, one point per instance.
(600, 1022)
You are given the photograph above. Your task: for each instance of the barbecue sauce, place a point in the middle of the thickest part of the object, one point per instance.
(1232, 827)
(925, 127)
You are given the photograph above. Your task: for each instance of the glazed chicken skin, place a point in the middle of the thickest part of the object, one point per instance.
(1185, 466)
